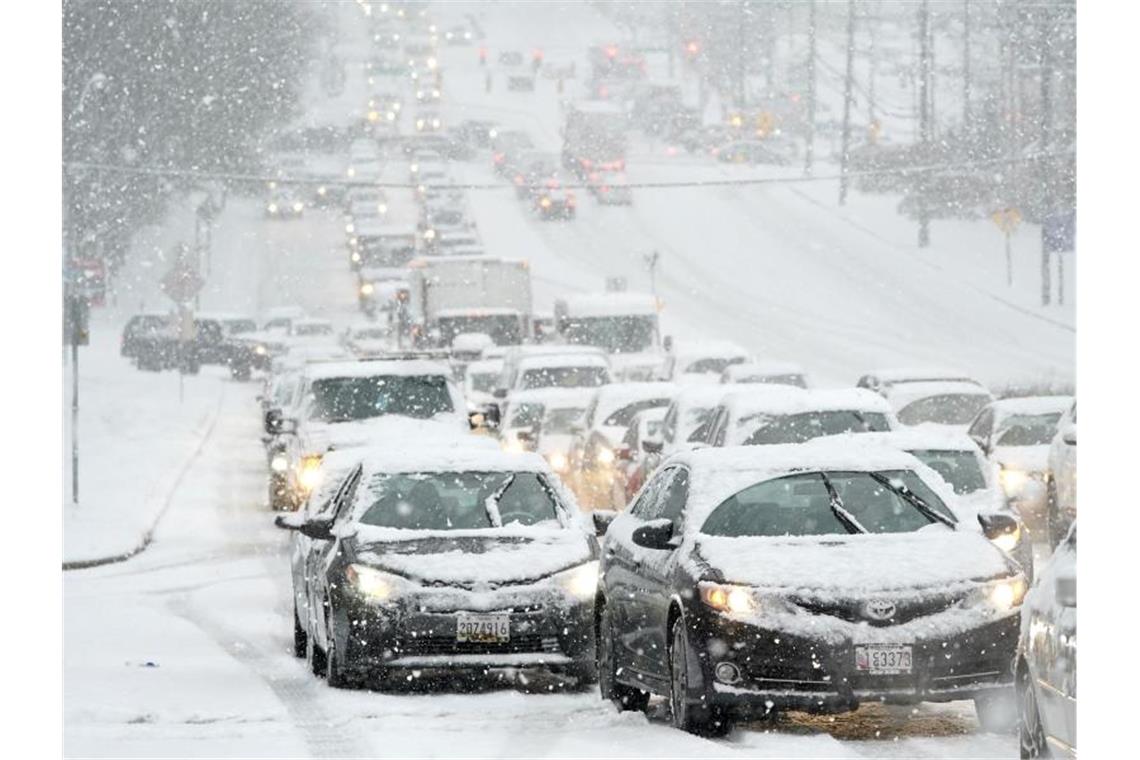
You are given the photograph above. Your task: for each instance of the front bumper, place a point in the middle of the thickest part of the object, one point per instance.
(546, 630)
(782, 671)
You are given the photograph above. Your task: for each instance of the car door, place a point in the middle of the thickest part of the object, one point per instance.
(320, 553)
(621, 567)
(656, 573)
(1052, 658)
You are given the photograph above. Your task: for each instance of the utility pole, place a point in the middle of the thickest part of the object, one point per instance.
(741, 56)
(809, 150)
(923, 118)
(651, 260)
(848, 97)
(1046, 142)
(966, 117)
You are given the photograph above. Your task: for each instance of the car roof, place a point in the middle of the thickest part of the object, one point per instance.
(1032, 405)
(924, 437)
(901, 395)
(582, 359)
(545, 396)
(788, 399)
(461, 457)
(375, 368)
(763, 368)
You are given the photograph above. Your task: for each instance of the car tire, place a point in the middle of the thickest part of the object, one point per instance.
(315, 657)
(585, 674)
(623, 697)
(703, 720)
(997, 712)
(300, 638)
(1030, 733)
(338, 676)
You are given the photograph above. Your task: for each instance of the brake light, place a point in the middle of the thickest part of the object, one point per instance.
(498, 158)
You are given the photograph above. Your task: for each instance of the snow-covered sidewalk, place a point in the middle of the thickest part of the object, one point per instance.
(135, 442)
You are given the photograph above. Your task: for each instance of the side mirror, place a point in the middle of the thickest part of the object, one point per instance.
(655, 534)
(997, 524)
(650, 446)
(291, 521)
(319, 529)
(273, 419)
(1065, 590)
(491, 415)
(602, 519)
(1069, 436)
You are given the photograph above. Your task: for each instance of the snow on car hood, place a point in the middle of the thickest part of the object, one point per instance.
(1024, 458)
(474, 559)
(845, 566)
(323, 436)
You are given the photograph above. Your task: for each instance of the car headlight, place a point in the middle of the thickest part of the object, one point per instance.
(367, 289)
(279, 462)
(309, 472)
(604, 455)
(429, 235)
(349, 228)
(371, 582)
(1012, 481)
(272, 208)
(1007, 542)
(298, 207)
(260, 350)
(558, 461)
(726, 597)
(580, 582)
(322, 190)
(1000, 595)
(382, 208)
(355, 257)
(545, 202)
(415, 167)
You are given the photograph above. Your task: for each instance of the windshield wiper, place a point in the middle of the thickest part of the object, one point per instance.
(491, 503)
(849, 522)
(913, 499)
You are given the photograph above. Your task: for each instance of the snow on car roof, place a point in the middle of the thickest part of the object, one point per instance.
(377, 228)
(485, 366)
(577, 397)
(708, 349)
(718, 473)
(614, 396)
(1032, 405)
(460, 456)
(780, 399)
(609, 304)
(925, 437)
(901, 395)
(487, 311)
(920, 374)
(762, 369)
(429, 261)
(579, 359)
(375, 368)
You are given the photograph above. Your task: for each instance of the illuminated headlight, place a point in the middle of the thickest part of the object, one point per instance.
(396, 107)
(429, 234)
(298, 207)
(381, 208)
(1000, 596)
(391, 116)
(272, 208)
(374, 116)
(558, 461)
(724, 597)
(419, 123)
(1014, 481)
(1007, 542)
(545, 202)
(435, 123)
(366, 289)
(322, 190)
(435, 94)
(351, 172)
(580, 582)
(604, 455)
(419, 94)
(309, 472)
(260, 350)
(432, 63)
(279, 463)
(355, 257)
(371, 582)
(350, 228)
(415, 167)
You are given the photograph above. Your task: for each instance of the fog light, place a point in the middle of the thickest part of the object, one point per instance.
(726, 672)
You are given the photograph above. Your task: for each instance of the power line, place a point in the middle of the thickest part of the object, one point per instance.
(338, 181)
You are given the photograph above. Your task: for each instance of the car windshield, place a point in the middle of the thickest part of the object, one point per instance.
(961, 469)
(343, 399)
(712, 365)
(622, 417)
(482, 382)
(564, 377)
(618, 335)
(947, 409)
(238, 326)
(1028, 429)
(456, 500)
(525, 415)
(318, 329)
(561, 421)
(798, 428)
(818, 504)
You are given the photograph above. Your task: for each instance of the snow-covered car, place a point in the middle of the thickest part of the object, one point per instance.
(554, 367)
(522, 428)
(1061, 486)
(428, 121)
(883, 380)
(1015, 433)
(444, 559)
(284, 205)
(749, 152)
(689, 414)
(139, 329)
(428, 93)
(953, 403)
(817, 577)
(280, 318)
(479, 383)
(1046, 668)
(774, 414)
(458, 35)
(635, 461)
(368, 339)
(594, 452)
(610, 188)
(624, 323)
(356, 403)
(768, 372)
(701, 361)
(553, 201)
(507, 146)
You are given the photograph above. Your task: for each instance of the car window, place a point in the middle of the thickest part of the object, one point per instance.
(960, 469)
(646, 503)
(669, 424)
(624, 416)
(1028, 429)
(671, 503)
(454, 500)
(980, 429)
(525, 415)
(945, 409)
(798, 428)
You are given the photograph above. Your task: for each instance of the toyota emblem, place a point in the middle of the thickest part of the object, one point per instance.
(879, 609)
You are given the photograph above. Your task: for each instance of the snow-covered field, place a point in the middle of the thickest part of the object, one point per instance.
(185, 650)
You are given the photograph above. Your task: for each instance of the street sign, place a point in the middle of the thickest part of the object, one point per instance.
(182, 282)
(1007, 219)
(76, 330)
(1059, 232)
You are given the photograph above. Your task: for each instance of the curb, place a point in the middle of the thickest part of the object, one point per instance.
(148, 536)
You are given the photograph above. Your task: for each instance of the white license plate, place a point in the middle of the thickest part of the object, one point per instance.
(484, 629)
(884, 659)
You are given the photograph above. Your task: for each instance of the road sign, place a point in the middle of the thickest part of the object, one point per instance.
(1059, 232)
(1007, 219)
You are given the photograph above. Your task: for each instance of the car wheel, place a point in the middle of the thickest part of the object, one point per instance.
(1031, 735)
(300, 638)
(997, 712)
(624, 697)
(705, 720)
(315, 657)
(339, 677)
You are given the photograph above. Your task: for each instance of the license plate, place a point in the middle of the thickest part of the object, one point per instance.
(883, 659)
(483, 629)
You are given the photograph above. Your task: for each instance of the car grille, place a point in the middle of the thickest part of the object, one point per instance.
(905, 609)
(436, 645)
